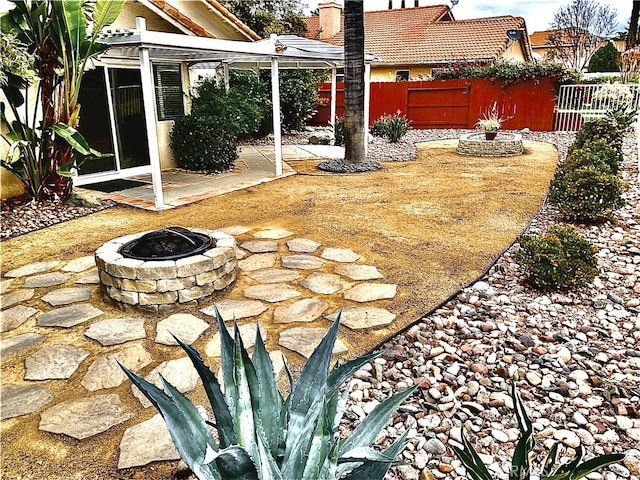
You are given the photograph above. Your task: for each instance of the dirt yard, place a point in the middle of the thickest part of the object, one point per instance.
(431, 226)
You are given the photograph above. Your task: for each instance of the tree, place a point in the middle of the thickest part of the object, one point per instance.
(576, 30)
(633, 37)
(354, 82)
(606, 59)
(42, 149)
(269, 16)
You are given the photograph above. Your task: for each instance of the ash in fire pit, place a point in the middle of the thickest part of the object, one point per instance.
(165, 270)
(168, 243)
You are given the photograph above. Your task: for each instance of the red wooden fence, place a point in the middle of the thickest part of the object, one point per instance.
(455, 103)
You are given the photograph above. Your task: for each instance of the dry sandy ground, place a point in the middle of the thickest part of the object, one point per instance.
(430, 226)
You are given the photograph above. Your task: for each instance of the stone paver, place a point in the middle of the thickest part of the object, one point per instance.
(323, 283)
(272, 292)
(5, 284)
(260, 246)
(257, 262)
(116, 330)
(185, 326)
(273, 275)
(54, 362)
(18, 296)
(15, 316)
(84, 417)
(146, 442)
(368, 292)
(31, 268)
(105, 372)
(230, 309)
(180, 373)
(306, 310)
(235, 230)
(304, 340)
(273, 234)
(19, 343)
(88, 277)
(302, 262)
(80, 264)
(46, 280)
(358, 272)
(363, 317)
(303, 245)
(65, 296)
(17, 400)
(247, 333)
(67, 317)
(343, 255)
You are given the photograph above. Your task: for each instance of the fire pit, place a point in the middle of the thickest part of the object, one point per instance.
(167, 269)
(504, 145)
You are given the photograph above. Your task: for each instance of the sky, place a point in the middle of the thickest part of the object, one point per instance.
(538, 14)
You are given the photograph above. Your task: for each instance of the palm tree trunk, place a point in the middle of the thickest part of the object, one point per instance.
(354, 82)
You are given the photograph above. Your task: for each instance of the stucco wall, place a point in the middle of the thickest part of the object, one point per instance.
(388, 73)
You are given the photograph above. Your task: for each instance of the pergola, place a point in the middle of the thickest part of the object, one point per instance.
(144, 47)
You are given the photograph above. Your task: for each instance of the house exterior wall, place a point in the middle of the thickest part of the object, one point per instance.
(131, 10)
(387, 73)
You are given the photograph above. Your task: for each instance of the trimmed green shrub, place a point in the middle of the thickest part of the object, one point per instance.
(203, 144)
(262, 435)
(392, 127)
(559, 259)
(606, 129)
(596, 152)
(509, 71)
(521, 460)
(586, 194)
(605, 59)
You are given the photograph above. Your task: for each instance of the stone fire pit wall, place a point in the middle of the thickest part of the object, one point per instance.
(504, 145)
(161, 286)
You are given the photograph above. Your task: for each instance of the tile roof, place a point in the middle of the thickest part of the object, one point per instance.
(413, 35)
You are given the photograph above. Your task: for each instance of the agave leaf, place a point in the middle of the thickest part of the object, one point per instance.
(189, 431)
(268, 466)
(224, 422)
(227, 355)
(310, 385)
(373, 470)
(341, 373)
(270, 398)
(234, 463)
(246, 380)
(520, 467)
(572, 464)
(367, 431)
(360, 454)
(594, 464)
(475, 467)
(550, 462)
(320, 446)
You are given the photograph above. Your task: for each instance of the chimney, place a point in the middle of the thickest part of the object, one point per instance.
(330, 13)
(402, 4)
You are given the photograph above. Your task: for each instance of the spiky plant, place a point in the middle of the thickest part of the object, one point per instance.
(521, 461)
(260, 434)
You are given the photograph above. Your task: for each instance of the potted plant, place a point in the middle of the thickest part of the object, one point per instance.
(491, 122)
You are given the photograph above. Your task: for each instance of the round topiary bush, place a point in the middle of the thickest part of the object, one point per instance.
(595, 152)
(559, 259)
(586, 194)
(202, 144)
(606, 129)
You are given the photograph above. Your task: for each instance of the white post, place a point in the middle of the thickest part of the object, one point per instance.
(275, 100)
(334, 74)
(148, 100)
(367, 101)
(225, 73)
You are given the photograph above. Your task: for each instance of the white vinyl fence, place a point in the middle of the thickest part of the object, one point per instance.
(577, 104)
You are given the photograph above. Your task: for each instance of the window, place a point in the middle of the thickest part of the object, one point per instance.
(168, 81)
(402, 75)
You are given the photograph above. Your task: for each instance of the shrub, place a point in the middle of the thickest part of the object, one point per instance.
(596, 153)
(606, 129)
(203, 144)
(392, 127)
(605, 59)
(586, 194)
(624, 116)
(559, 259)
(510, 71)
(259, 433)
(521, 464)
(338, 131)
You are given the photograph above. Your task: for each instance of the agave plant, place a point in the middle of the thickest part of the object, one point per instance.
(262, 435)
(521, 461)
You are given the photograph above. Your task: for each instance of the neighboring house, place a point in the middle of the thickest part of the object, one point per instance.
(546, 51)
(410, 43)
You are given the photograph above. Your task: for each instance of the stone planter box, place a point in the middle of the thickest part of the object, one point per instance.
(162, 286)
(504, 145)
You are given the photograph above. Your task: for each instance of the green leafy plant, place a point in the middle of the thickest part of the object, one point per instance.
(509, 71)
(559, 259)
(605, 59)
(203, 144)
(521, 463)
(586, 194)
(392, 127)
(262, 435)
(338, 131)
(597, 153)
(606, 129)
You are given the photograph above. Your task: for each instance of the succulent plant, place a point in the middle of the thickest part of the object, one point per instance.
(521, 461)
(261, 434)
